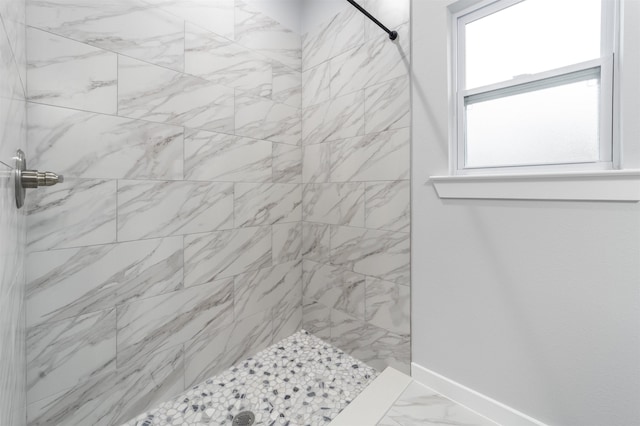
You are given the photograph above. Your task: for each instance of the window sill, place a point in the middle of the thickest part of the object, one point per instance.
(606, 185)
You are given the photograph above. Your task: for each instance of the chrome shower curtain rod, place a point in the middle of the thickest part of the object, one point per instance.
(392, 34)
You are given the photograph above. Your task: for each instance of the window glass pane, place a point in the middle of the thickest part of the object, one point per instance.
(547, 126)
(531, 37)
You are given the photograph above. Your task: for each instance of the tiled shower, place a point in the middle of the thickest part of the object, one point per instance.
(232, 175)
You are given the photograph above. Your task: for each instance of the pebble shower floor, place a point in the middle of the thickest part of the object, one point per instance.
(299, 381)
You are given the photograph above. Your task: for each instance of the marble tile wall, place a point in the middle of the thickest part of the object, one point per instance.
(355, 201)
(174, 247)
(12, 221)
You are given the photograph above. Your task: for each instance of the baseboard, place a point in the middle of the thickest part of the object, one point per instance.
(481, 404)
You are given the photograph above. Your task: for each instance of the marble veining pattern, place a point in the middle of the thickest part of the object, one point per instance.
(300, 380)
(421, 406)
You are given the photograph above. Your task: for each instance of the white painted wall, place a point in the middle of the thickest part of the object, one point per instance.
(535, 304)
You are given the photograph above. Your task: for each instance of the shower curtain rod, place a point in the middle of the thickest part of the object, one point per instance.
(392, 34)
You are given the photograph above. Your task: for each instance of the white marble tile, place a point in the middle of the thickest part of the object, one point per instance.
(334, 287)
(376, 157)
(388, 105)
(209, 354)
(261, 118)
(13, 17)
(65, 353)
(81, 144)
(225, 62)
(419, 405)
(112, 399)
(267, 204)
(158, 94)
(221, 157)
(388, 306)
(315, 241)
(67, 73)
(223, 254)
(341, 33)
(168, 320)
(316, 85)
(381, 254)
(350, 71)
(316, 163)
(316, 318)
(287, 85)
(264, 289)
(131, 27)
(261, 33)
(149, 209)
(287, 315)
(334, 203)
(337, 118)
(395, 13)
(287, 163)
(286, 242)
(213, 15)
(67, 283)
(77, 212)
(389, 59)
(388, 205)
(377, 347)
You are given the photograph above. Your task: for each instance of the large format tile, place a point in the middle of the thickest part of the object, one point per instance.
(13, 17)
(315, 241)
(265, 288)
(78, 212)
(316, 163)
(287, 163)
(168, 320)
(70, 74)
(419, 405)
(334, 203)
(209, 354)
(131, 27)
(260, 32)
(267, 204)
(222, 254)
(286, 242)
(343, 32)
(213, 15)
(222, 61)
(334, 287)
(316, 318)
(316, 85)
(388, 205)
(337, 118)
(261, 118)
(379, 156)
(71, 282)
(376, 253)
(87, 145)
(287, 85)
(63, 354)
(149, 209)
(113, 398)
(287, 315)
(158, 94)
(221, 157)
(388, 105)
(388, 305)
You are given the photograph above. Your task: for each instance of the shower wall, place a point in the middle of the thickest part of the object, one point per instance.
(12, 220)
(173, 249)
(356, 139)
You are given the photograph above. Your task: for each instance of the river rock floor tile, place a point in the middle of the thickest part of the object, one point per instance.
(299, 381)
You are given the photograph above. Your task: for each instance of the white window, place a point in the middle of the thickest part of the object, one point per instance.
(534, 86)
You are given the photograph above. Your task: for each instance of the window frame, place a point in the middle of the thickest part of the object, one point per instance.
(609, 143)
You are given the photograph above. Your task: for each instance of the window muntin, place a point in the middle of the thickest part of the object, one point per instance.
(523, 107)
